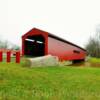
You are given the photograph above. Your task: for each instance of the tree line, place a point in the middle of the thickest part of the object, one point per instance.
(5, 44)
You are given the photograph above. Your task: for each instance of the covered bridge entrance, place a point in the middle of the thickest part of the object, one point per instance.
(34, 46)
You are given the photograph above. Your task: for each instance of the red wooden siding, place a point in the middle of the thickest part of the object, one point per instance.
(65, 51)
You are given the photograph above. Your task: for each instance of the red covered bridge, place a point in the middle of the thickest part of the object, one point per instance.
(39, 43)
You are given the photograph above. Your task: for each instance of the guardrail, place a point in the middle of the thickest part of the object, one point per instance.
(8, 56)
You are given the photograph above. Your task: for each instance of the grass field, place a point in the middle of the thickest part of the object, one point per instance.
(50, 83)
(94, 60)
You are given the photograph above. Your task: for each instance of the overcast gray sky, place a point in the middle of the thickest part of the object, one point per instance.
(73, 20)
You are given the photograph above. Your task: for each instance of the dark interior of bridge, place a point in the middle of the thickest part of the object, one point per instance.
(34, 46)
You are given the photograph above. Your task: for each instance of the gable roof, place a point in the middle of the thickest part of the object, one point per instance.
(56, 37)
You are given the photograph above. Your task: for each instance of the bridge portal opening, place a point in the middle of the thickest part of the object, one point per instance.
(34, 46)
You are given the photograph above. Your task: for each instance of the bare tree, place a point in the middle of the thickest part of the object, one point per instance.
(93, 45)
(4, 44)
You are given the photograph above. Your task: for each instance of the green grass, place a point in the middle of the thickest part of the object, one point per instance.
(49, 83)
(94, 60)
